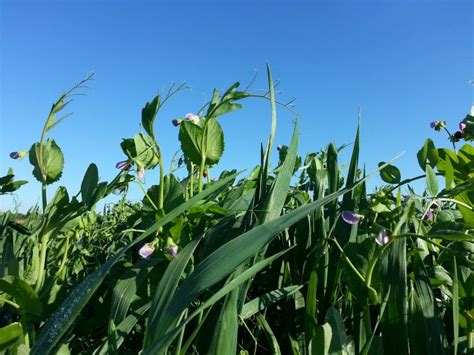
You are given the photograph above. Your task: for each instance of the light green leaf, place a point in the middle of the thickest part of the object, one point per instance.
(51, 167)
(9, 335)
(431, 181)
(390, 174)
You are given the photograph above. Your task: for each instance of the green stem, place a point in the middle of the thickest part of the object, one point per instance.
(450, 135)
(11, 303)
(347, 260)
(42, 262)
(162, 179)
(64, 260)
(44, 198)
(191, 181)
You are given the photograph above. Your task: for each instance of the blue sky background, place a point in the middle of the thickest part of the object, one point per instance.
(405, 62)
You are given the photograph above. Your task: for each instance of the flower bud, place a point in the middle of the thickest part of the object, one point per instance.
(123, 165)
(18, 155)
(146, 250)
(351, 217)
(382, 238)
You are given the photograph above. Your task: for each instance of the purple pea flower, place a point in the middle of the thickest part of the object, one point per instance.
(176, 122)
(146, 250)
(18, 155)
(382, 238)
(192, 117)
(351, 217)
(123, 165)
(172, 250)
(429, 215)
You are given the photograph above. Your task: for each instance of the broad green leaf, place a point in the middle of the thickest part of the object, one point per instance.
(427, 155)
(9, 335)
(23, 294)
(89, 184)
(149, 113)
(173, 194)
(390, 174)
(50, 168)
(431, 181)
(190, 137)
(321, 342)
(214, 141)
(146, 156)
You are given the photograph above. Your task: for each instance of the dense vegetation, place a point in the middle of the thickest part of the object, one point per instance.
(295, 259)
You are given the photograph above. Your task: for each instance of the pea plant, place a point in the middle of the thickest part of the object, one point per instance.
(295, 258)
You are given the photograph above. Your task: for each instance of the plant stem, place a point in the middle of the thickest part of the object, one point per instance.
(162, 179)
(191, 181)
(42, 261)
(44, 198)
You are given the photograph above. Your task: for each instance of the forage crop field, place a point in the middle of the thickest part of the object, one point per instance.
(295, 258)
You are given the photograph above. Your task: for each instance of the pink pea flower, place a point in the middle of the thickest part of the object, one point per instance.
(18, 155)
(123, 165)
(462, 126)
(192, 117)
(146, 250)
(351, 217)
(140, 174)
(172, 250)
(382, 238)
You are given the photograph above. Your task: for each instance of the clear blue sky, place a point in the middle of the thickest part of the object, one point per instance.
(405, 62)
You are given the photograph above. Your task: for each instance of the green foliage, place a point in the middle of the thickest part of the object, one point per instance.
(8, 183)
(264, 264)
(47, 160)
